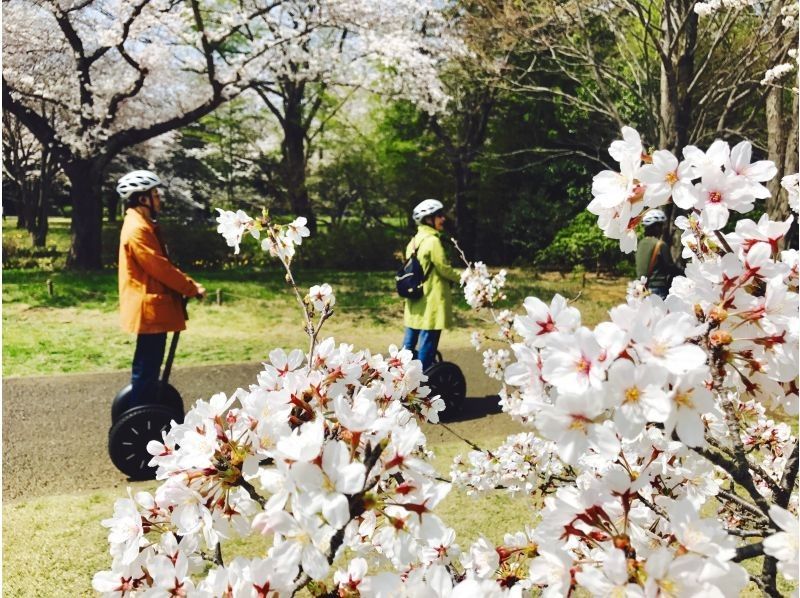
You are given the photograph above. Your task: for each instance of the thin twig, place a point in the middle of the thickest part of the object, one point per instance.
(457, 435)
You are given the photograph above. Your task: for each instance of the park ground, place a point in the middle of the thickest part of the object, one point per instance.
(64, 358)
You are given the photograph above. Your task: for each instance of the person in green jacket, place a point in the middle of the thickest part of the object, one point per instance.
(653, 259)
(426, 317)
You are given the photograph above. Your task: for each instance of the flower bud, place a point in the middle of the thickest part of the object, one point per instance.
(718, 314)
(718, 338)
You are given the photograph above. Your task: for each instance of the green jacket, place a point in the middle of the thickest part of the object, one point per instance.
(663, 270)
(434, 310)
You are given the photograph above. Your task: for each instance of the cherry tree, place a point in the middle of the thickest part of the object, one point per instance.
(115, 74)
(390, 48)
(118, 73)
(652, 453)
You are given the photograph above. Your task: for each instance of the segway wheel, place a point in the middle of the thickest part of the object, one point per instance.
(446, 379)
(128, 438)
(165, 396)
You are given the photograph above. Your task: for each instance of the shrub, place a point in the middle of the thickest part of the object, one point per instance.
(582, 243)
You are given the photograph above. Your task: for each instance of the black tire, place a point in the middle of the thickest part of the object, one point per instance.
(128, 438)
(446, 379)
(166, 396)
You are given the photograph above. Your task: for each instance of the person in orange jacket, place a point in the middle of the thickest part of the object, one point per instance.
(151, 288)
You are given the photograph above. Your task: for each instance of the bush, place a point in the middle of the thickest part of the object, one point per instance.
(581, 243)
(353, 246)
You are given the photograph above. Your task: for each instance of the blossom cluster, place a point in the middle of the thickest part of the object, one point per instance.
(637, 423)
(481, 289)
(280, 241)
(713, 183)
(110, 66)
(320, 456)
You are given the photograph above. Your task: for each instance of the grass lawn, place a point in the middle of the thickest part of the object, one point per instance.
(76, 329)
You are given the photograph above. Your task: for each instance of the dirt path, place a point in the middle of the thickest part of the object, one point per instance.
(55, 428)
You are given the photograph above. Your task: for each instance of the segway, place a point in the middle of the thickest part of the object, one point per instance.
(446, 379)
(134, 425)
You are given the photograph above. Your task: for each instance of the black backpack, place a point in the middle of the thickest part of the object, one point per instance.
(410, 278)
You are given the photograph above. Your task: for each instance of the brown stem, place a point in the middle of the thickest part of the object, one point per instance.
(748, 551)
(789, 477)
(751, 508)
(251, 491)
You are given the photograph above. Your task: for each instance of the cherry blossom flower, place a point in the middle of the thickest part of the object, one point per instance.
(233, 225)
(665, 178)
(321, 296)
(783, 545)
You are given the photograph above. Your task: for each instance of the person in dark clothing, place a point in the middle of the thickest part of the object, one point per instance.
(653, 258)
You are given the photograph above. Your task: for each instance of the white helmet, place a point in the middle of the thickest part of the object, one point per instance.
(137, 181)
(654, 216)
(425, 208)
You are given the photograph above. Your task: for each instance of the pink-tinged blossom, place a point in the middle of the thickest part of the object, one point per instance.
(321, 296)
(551, 569)
(297, 230)
(571, 362)
(571, 425)
(300, 540)
(717, 194)
(715, 158)
(664, 343)
(304, 443)
(689, 400)
(611, 579)
(637, 396)
(483, 559)
(542, 320)
(126, 533)
(350, 580)
(665, 178)
(791, 183)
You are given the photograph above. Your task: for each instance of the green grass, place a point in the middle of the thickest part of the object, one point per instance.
(76, 329)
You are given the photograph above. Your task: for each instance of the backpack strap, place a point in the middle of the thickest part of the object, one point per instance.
(654, 258)
(425, 275)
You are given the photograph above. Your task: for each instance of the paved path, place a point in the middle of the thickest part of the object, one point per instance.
(55, 428)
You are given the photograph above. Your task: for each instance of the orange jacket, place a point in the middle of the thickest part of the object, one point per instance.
(151, 289)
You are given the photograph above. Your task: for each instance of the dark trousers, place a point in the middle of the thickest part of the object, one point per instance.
(146, 363)
(428, 341)
(660, 291)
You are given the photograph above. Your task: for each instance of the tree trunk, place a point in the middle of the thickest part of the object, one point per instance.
(782, 150)
(294, 156)
(465, 190)
(678, 47)
(87, 216)
(38, 226)
(112, 206)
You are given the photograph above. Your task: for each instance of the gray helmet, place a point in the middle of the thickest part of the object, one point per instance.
(654, 216)
(137, 181)
(425, 208)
